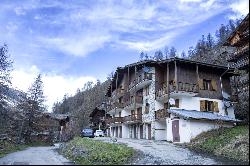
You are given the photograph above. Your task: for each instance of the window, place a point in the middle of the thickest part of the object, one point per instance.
(147, 107)
(209, 106)
(207, 84)
(177, 103)
(146, 90)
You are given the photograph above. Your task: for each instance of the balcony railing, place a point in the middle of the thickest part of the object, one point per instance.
(115, 120)
(183, 87)
(117, 93)
(141, 78)
(134, 100)
(161, 114)
(133, 118)
(116, 105)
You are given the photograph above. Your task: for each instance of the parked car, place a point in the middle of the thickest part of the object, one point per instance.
(99, 133)
(87, 132)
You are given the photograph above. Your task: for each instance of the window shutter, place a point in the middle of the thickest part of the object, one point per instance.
(214, 85)
(177, 103)
(200, 83)
(215, 106)
(202, 105)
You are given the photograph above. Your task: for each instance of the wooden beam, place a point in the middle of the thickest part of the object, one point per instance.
(197, 74)
(116, 84)
(168, 86)
(175, 75)
(135, 89)
(128, 80)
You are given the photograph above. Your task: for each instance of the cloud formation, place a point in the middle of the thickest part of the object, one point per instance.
(82, 27)
(55, 86)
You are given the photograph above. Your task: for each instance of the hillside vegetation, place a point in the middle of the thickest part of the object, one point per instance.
(232, 143)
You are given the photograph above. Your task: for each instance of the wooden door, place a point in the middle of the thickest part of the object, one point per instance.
(175, 131)
(141, 131)
(120, 134)
(149, 131)
(135, 131)
(116, 131)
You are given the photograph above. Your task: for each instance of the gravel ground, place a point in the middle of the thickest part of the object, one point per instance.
(35, 156)
(164, 153)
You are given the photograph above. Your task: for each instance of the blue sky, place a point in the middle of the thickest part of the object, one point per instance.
(71, 41)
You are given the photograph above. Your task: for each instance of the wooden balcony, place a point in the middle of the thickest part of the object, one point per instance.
(116, 106)
(183, 89)
(114, 120)
(141, 81)
(134, 102)
(137, 118)
(117, 93)
(161, 114)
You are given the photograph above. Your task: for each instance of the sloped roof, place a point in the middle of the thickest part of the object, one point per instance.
(193, 114)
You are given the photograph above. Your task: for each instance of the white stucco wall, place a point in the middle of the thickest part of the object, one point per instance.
(189, 129)
(125, 131)
(160, 130)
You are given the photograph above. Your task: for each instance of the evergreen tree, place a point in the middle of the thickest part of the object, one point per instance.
(222, 34)
(172, 52)
(35, 93)
(166, 51)
(183, 55)
(142, 55)
(158, 55)
(210, 41)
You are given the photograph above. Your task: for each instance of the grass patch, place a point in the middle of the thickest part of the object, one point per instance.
(231, 143)
(85, 151)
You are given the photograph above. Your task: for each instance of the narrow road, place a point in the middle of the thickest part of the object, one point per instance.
(35, 156)
(164, 153)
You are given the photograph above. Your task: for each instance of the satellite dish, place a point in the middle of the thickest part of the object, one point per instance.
(227, 104)
(225, 95)
(172, 101)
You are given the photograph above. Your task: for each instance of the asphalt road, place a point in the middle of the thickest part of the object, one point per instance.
(35, 156)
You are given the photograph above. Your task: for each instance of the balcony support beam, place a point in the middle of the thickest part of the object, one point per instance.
(175, 75)
(197, 74)
(168, 105)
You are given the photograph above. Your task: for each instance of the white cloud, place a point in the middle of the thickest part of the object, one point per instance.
(240, 7)
(153, 44)
(55, 86)
(78, 45)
